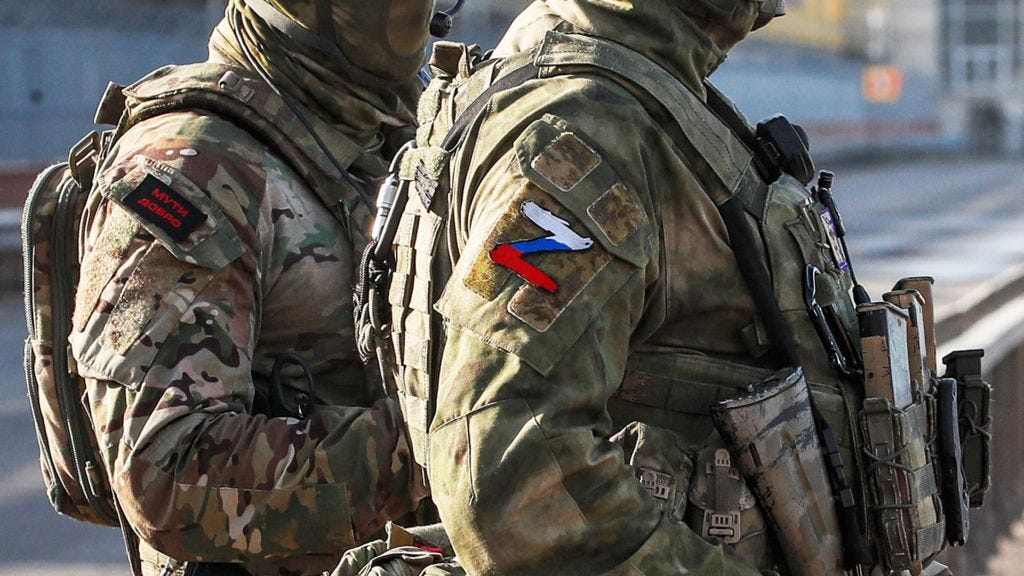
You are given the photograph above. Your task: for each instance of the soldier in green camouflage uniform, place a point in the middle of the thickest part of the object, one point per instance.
(180, 316)
(580, 278)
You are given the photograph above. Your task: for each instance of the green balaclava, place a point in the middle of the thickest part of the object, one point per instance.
(352, 63)
(728, 22)
(687, 37)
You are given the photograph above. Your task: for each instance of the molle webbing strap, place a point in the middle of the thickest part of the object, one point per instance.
(758, 280)
(727, 113)
(723, 109)
(479, 105)
(726, 497)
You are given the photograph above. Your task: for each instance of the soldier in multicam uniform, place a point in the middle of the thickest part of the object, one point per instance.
(566, 316)
(207, 256)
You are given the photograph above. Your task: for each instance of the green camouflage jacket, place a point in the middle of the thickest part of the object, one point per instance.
(205, 257)
(585, 280)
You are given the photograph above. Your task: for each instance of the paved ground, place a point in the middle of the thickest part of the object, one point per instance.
(33, 539)
(960, 221)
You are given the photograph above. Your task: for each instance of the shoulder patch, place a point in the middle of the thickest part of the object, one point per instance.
(561, 162)
(566, 161)
(560, 237)
(159, 204)
(533, 231)
(539, 309)
(171, 207)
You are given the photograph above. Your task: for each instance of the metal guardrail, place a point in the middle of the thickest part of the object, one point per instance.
(992, 317)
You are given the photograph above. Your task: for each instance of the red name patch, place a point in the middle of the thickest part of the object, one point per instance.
(158, 203)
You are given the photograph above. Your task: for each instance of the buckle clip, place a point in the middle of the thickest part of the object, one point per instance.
(723, 526)
(842, 354)
(657, 484)
(82, 159)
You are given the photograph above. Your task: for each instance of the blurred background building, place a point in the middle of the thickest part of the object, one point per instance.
(982, 57)
(887, 80)
(57, 57)
(862, 75)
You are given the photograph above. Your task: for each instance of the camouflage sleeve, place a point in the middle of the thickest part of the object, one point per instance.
(551, 284)
(167, 321)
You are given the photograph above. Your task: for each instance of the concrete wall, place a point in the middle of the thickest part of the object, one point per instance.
(993, 319)
(56, 57)
(992, 524)
(54, 77)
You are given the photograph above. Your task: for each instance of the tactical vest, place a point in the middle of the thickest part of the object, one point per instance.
(72, 467)
(794, 243)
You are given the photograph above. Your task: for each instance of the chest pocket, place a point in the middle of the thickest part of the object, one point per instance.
(799, 233)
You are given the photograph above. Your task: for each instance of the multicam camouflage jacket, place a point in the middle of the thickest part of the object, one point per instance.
(205, 257)
(580, 278)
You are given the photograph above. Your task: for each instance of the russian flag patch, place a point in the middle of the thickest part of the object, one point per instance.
(560, 238)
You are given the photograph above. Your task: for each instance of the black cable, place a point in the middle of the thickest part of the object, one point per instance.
(351, 180)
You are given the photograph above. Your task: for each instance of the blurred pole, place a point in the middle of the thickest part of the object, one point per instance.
(877, 20)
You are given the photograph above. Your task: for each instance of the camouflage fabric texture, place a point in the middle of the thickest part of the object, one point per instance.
(584, 280)
(205, 257)
(368, 87)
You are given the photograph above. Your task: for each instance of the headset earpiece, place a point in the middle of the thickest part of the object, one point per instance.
(442, 22)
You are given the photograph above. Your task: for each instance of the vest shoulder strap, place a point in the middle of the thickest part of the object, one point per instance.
(245, 100)
(731, 163)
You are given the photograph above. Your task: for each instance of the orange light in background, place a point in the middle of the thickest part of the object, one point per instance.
(882, 84)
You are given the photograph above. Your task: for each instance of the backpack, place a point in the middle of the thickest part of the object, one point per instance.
(76, 482)
(72, 473)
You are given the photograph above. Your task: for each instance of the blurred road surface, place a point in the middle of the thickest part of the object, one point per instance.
(34, 540)
(961, 221)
